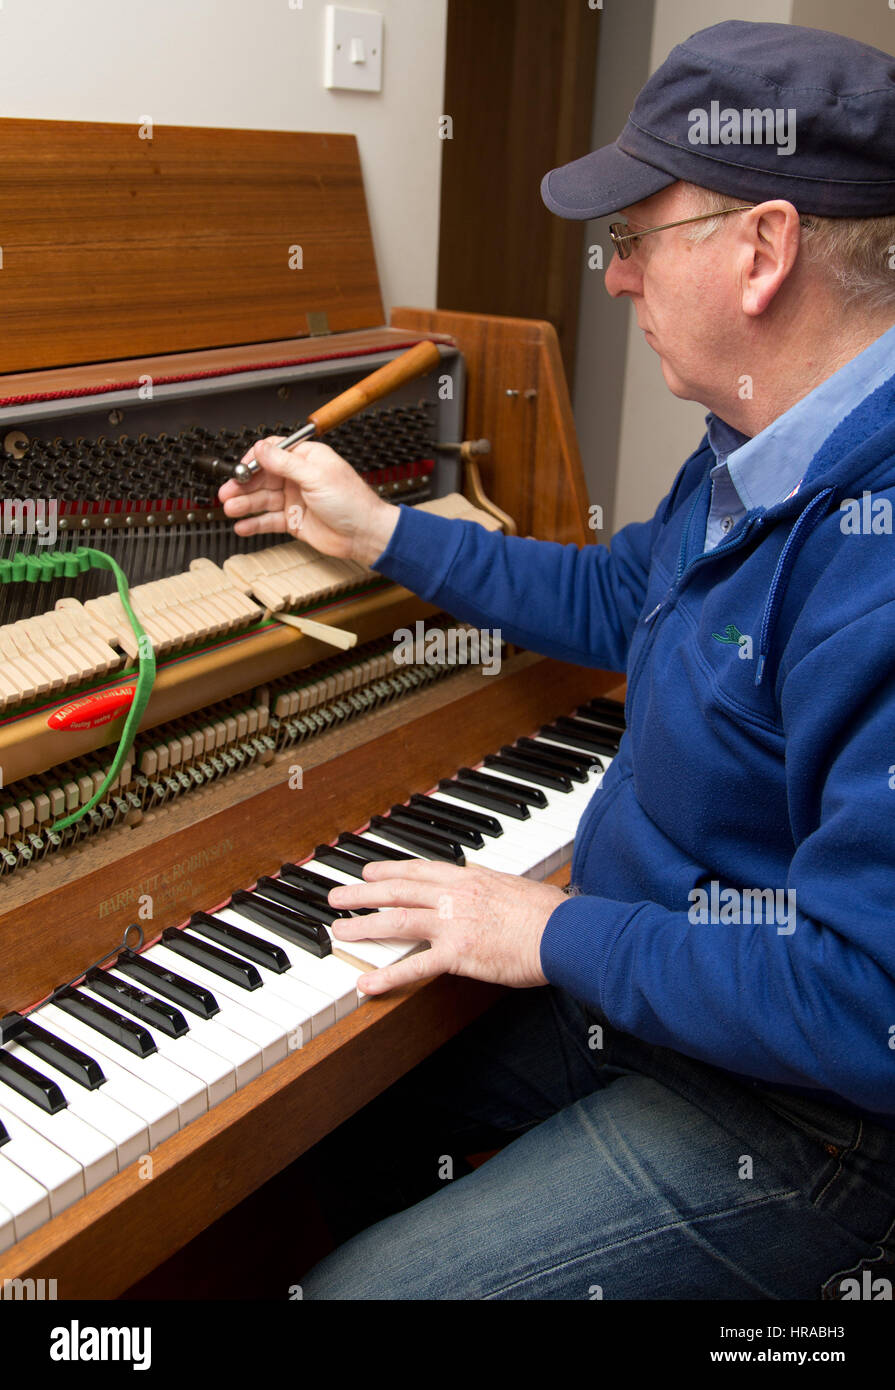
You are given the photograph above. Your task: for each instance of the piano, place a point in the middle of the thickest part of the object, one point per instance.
(178, 1022)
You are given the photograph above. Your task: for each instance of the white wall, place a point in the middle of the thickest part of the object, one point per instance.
(869, 21)
(254, 64)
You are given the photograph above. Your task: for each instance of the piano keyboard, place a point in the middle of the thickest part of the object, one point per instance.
(96, 1079)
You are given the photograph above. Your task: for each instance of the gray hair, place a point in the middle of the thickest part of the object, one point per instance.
(857, 253)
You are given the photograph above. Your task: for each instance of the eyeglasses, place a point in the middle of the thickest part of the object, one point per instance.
(621, 236)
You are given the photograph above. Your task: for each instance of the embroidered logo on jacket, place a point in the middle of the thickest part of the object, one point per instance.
(731, 636)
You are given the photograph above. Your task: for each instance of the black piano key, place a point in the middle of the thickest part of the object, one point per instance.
(366, 849)
(65, 1057)
(579, 764)
(196, 999)
(477, 796)
(11, 1025)
(252, 947)
(528, 795)
(598, 728)
(110, 1024)
(229, 967)
(610, 710)
(311, 936)
(288, 895)
(340, 859)
(579, 742)
(130, 999)
(414, 818)
(475, 820)
(307, 879)
(531, 770)
(429, 845)
(316, 884)
(590, 728)
(31, 1084)
(4, 1135)
(604, 723)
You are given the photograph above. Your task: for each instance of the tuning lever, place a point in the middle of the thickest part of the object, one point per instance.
(415, 362)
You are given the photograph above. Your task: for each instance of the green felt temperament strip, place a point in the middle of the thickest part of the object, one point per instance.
(43, 569)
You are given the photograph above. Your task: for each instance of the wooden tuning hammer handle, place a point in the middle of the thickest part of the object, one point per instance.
(416, 362)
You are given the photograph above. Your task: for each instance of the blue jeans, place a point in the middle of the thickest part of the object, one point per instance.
(631, 1172)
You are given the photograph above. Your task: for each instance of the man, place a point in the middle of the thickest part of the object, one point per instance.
(702, 1101)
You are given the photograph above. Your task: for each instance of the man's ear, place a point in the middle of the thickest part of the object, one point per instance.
(768, 240)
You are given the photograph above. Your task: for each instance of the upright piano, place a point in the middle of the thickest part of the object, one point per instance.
(177, 1025)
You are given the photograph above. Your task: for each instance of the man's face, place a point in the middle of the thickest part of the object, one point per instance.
(685, 295)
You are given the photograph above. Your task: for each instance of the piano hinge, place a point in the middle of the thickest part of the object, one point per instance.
(318, 323)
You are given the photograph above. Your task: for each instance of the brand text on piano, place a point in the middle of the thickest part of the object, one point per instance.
(170, 885)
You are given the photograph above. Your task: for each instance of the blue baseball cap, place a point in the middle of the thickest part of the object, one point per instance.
(756, 111)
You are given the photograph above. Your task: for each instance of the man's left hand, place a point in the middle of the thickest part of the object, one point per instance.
(479, 923)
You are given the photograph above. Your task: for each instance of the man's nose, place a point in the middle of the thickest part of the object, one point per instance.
(622, 277)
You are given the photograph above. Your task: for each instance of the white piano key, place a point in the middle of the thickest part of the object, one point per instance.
(243, 1055)
(554, 814)
(504, 860)
(334, 978)
(157, 1111)
(555, 826)
(97, 1108)
(181, 1086)
(594, 768)
(595, 760)
(95, 1152)
(316, 1009)
(58, 1172)
(280, 1007)
(268, 1035)
(141, 1083)
(218, 1076)
(7, 1228)
(520, 838)
(27, 1200)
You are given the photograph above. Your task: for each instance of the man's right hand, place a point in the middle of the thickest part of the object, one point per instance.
(312, 490)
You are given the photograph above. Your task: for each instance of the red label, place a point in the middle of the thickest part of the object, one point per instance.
(93, 710)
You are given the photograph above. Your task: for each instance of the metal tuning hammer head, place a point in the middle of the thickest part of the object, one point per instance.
(226, 468)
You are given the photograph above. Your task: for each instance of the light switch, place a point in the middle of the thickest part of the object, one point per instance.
(353, 54)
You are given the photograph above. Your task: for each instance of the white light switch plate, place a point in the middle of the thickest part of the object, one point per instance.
(353, 53)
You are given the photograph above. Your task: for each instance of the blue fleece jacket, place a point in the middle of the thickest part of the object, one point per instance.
(760, 754)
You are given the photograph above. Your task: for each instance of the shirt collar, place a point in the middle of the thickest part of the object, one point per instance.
(769, 467)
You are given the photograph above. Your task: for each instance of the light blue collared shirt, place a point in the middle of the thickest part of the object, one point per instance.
(763, 471)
